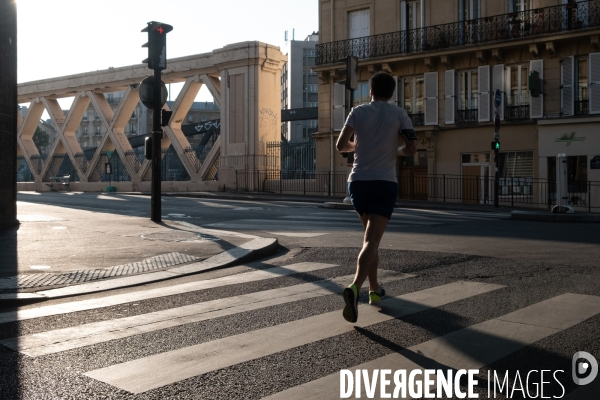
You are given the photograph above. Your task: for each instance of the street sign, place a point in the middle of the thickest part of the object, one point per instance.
(108, 168)
(108, 153)
(498, 98)
(147, 92)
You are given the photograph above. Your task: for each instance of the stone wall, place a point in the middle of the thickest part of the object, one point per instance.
(8, 113)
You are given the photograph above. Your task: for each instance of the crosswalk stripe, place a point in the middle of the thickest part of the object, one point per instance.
(55, 341)
(469, 348)
(108, 301)
(155, 371)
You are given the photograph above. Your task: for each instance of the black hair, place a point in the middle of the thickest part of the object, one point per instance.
(382, 85)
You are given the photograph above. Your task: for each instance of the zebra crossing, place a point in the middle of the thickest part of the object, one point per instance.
(336, 220)
(471, 347)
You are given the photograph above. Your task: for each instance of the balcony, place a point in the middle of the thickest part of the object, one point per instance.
(516, 113)
(581, 107)
(417, 119)
(467, 116)
(497, 28)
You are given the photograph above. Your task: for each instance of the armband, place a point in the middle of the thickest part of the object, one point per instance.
(410, 133)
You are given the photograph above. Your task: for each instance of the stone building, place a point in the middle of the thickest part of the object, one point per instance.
(450, 58)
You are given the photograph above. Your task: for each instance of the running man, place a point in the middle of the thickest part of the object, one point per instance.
(372, 184)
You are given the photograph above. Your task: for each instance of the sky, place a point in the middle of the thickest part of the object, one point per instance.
(65, 37)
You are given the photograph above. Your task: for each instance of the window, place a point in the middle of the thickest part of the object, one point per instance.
(203, 118)
(467, 97)
(467, 90)
(361, 94)
(97, 116)
(515, 170)
(85, 116)
(132, 129)
(518, 85)
(84, 130)
(469, 9)
(413, 91)
(190, 118)
(98, 130)
(581, 93)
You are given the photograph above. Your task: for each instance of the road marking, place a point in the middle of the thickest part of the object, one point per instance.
(58, 340)
(109, 301)
(469, 348)
(155, 371)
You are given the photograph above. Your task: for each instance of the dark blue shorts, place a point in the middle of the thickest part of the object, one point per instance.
(373, 197)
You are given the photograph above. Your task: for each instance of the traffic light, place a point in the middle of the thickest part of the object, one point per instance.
(496, 145)
(157, 44)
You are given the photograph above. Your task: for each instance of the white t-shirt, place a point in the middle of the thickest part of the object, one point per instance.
(377, 126)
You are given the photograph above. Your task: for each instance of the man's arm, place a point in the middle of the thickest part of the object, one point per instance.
(410, 145)
(343, 143)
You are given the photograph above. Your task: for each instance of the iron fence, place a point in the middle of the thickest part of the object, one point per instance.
(513, 192)
(474, 32)
(467, 116)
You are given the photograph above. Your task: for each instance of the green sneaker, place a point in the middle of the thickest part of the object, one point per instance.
(350, 295)
(376, 296)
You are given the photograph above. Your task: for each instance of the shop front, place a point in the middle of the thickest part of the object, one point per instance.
(579, 140)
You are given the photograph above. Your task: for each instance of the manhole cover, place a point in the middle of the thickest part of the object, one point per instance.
(178, 236)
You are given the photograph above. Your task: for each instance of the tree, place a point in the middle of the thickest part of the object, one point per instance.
(41, 139)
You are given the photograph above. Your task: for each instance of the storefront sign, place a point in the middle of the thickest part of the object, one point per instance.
(570, 137)
(595, 163)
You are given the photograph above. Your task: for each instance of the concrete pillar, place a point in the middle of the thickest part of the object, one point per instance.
(8, 114)
(250, 109)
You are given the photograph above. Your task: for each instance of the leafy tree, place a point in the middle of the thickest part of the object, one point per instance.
(41, 139)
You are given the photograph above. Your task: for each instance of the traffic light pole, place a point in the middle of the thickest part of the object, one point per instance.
(496, 180)
(156, 195)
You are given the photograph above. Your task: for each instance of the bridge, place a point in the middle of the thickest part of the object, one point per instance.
(243, 78)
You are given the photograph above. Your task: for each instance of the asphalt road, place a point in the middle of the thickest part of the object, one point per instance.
(522, 304)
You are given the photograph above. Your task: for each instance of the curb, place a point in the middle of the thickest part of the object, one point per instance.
(538, 216)
(249, 251)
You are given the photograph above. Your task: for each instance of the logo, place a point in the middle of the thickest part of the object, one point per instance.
(585, 368)
(568, 138)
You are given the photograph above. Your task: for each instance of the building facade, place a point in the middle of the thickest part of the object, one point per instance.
(453, 60)
(299, 87)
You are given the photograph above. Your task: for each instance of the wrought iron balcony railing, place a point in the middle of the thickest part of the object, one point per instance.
(515, 113)
(468, 116)
(581, 107)
(417, 119)
(504, 27)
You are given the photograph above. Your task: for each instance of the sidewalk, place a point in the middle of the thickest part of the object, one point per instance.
(57, 248)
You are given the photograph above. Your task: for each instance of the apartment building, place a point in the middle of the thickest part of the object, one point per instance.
(299, 87)
(450, 58)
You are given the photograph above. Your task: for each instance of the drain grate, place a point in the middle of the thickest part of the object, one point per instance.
(81, 276)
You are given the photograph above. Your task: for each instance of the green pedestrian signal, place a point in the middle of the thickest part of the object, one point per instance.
(495, 145)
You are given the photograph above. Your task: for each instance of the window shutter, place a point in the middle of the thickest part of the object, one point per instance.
(359, 24)
(510, 6)
(566, 85)
(339, 95)
(431, 98)
(594, 83)
(498, 84)
(536, 104)
(483, 83)
(394, 99)
(449, 103)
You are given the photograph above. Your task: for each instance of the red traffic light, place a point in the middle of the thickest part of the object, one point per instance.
(160, 30)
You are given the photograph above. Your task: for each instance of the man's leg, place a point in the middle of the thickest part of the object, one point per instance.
(368, 259)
